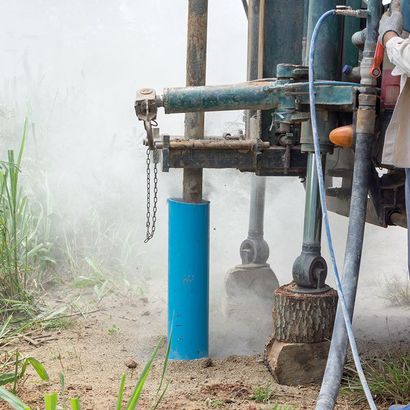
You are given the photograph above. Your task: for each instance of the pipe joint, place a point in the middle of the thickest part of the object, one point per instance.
(310, 269)
(254, 251)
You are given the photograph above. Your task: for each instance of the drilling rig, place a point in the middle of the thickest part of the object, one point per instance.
(354, 98)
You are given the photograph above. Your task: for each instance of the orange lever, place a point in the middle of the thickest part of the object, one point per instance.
(376, 70)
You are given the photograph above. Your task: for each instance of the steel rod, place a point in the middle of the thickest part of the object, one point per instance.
(215, 144)
(195, 76)
(313, 215)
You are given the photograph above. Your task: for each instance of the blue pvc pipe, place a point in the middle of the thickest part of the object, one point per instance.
(188, 279)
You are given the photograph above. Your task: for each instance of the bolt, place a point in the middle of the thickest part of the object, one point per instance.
(146, 91)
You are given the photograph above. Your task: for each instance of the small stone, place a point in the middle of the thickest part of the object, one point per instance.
(146, 313)
(88, 387)
(131, 363)
(207, 363)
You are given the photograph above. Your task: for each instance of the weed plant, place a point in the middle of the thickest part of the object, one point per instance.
(388, 378)
(51, 400)
(397, 292)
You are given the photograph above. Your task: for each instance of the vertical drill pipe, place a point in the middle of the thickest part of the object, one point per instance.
(357, 218)
(313, 216)
(257, 207)
(253, 50)
(188, 279)
(258, 184)
(328, 57)
(195, 75)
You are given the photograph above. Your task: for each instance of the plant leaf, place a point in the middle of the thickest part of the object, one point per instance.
(38, 367)
(13, 400)
(133, 401)
(121, 392)
(7, 378)
(75, 404)
(50, 401)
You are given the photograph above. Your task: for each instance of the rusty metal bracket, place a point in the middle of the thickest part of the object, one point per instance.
(146, 110)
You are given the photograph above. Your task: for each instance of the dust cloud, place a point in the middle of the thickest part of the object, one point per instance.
(72, 69)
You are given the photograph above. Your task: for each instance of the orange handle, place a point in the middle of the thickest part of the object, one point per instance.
(376, 70)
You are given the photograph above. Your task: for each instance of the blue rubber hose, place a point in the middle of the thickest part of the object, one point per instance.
(339, 288)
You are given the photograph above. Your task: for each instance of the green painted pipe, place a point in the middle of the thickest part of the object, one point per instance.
(282, 25)
(328, 48)
(256, 95)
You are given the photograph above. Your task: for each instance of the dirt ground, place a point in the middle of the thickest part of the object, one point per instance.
(92, 353)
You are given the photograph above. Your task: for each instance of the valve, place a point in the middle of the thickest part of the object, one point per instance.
(375, 70)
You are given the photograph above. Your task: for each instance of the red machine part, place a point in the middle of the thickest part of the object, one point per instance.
(376, 70)
(390, 85)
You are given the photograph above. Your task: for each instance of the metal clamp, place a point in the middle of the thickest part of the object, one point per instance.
(146, 110)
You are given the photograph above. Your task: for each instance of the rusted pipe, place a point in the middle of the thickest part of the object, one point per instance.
(215, 144)
(195, 76)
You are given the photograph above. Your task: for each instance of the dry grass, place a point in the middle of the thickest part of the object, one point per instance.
(388, 378)
(397, 292)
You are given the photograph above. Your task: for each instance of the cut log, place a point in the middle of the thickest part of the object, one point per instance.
(296, 364)
(303, 317)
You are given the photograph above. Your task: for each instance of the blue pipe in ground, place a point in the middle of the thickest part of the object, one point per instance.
(188, 279)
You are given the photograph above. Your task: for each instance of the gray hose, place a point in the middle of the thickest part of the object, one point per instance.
(361, 175)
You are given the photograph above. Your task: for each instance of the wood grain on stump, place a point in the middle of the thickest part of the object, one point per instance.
(296, 364)
(303, 318)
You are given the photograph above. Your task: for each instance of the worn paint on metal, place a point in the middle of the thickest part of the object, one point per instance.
(329, 45)
(267, 162)
(215, 144)
(254, 95)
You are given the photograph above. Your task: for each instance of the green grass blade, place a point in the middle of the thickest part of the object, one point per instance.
(50, 401)
(133, 401)
(5, 328)
(164, 370)
(121, 392)
(13, 400)
(75, 404)
(39, 368)
(7, 378)
(16, 372)
(159, 400)
(22, 145)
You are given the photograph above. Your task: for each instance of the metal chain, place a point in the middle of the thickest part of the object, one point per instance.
(151, 219)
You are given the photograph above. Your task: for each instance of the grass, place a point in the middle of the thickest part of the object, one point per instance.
(51, 400)
(397, 292)
(388, 378)
(59, 323)
(18, 367)
(113, 330)
(214, 403)
(262, 394)
(21, 247)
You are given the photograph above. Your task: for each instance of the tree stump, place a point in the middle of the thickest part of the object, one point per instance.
(302, 326)
(296, 364)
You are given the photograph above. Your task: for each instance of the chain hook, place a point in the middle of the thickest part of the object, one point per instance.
(151, 217)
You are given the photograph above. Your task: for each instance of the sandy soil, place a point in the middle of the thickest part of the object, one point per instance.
(93, 353)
